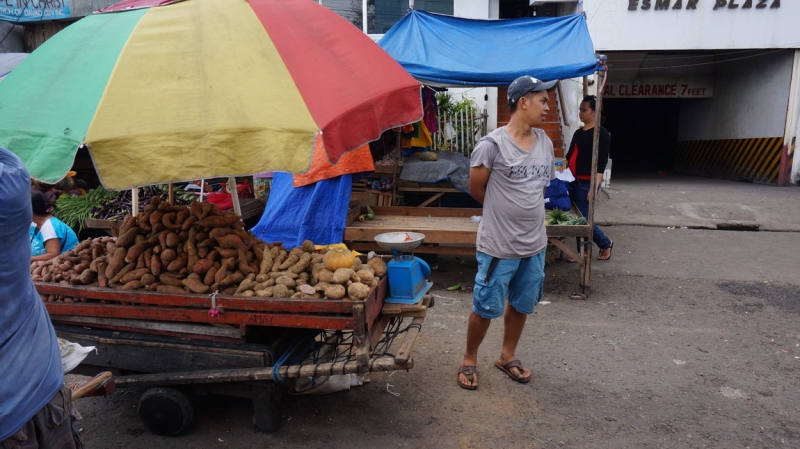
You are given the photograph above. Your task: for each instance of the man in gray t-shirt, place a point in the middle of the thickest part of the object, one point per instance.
(510, 169)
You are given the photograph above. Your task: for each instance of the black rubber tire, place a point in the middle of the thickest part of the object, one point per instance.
(166, 411)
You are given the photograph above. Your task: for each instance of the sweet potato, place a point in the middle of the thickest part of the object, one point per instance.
(202, 253)
(202, 266)
(128, 238)
(224, 269)
(133, 275)
(170, 279)
(195, 285)
(219, 232)
(218, 221)
(281, 291)
(242, 263)
(147, 279)
(176, 265)
(125, 270)
(102, 279)
(291, 259)
(302, 264)
(155, 265)
(246, 284)
(171, 240)
(207, 243)
(231, 241)
(169, 219)
(266, 263)
(209, 277)
(170, 289)
(183, 214)
(116, 262)
(227, 253)
(287, 281)
(135, 251)
(127, 223)
(188, 223)
(155, 217)
(87, 277)
(168, 255)
(277, 261)
(232, 279)
(132, 285)
(228, 290)
(196, 209)
(308, 246)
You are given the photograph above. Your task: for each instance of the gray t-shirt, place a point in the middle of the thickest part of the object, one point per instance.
(513, 208)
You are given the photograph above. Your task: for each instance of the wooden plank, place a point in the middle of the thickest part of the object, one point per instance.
(422, 189)
(424, 249)
(94, 223)
(158, 326)
(229, 303)
(431, 199)
(438, 212)
(374, 302)
(404, 352)
(133, 355)
(243, 375)
(404, 310)
(362, 346)
(569, 251)
(201, 316)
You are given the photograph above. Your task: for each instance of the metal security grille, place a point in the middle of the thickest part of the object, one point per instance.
(460, 132)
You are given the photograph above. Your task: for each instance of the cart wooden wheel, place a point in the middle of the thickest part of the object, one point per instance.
(166, 411)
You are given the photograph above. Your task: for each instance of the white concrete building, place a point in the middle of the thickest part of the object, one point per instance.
(704, 87)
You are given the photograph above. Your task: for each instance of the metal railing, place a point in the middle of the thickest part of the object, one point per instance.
(461, 131)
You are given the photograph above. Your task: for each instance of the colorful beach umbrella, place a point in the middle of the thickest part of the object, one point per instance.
(164, 91)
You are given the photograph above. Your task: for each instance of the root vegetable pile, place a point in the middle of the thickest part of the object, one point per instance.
(202, 249)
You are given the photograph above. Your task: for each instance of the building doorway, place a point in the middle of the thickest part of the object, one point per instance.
(644, 133)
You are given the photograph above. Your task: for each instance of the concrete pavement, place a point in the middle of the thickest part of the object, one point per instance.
(701, 203)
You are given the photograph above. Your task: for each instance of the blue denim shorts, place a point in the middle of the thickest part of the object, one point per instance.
(519, 280)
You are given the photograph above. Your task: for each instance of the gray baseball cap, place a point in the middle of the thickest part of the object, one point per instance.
(524, 84)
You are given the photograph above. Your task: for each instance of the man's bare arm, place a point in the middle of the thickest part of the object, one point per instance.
(478, 179)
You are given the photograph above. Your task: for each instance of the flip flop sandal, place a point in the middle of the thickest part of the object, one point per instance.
(577, 296)
(610, 248)
(468, 372)
(507, 369)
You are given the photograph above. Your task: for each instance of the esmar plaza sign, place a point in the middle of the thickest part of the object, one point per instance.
(664, 5)
(660, 88)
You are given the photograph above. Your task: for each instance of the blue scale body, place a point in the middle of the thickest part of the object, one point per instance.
(408, 279)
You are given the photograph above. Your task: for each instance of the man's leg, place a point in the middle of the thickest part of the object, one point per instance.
(476, 332)
(514, 323)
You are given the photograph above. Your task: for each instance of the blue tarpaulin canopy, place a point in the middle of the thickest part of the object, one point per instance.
(443, 50)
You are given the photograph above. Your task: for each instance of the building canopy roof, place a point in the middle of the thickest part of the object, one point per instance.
(443, 50)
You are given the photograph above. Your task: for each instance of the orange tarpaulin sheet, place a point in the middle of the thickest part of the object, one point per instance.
(358, 160)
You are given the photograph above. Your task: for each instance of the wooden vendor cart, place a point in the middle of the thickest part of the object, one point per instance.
(451, 231)
(176, 344)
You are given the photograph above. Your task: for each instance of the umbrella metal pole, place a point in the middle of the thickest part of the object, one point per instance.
(135, 202)
(237, 208)
(171, 194)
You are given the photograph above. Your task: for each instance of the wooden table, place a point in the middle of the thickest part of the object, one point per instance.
(450, 231)
(437, 189)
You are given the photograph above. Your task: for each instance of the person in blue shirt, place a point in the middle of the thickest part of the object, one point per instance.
(49, 235)
(35, 405)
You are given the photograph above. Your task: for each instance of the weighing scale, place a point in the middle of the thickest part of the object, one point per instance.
(408, 274)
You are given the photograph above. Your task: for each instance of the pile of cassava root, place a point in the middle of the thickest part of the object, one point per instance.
(202, 249)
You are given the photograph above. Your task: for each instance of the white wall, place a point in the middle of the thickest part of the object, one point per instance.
(750, 101)
(614, 28)
(471, 9)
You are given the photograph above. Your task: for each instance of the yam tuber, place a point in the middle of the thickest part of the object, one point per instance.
(335, 291)
(357, 291)
(378, 266)
(342, 275)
